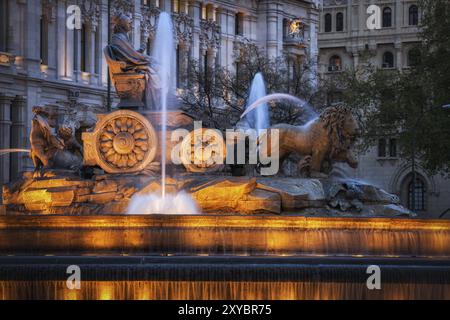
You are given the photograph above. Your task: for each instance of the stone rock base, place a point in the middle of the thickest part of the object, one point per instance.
(66, 194)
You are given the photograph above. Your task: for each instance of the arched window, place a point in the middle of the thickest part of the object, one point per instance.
(413, 15)
(417, 195)
(388, 60)
(339, 21)
(413, 57)
(335, 63)
(387, 17)
(328, 22)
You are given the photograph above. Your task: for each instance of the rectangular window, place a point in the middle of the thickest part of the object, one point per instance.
(83, 49)
(3, 26)
(176, 6)
(382, 148)
(204, 12)
(178, 67)
(393, 148)
(43, 43)
(239, 24)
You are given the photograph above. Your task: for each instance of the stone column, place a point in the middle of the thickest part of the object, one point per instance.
(399, 57)
(5, 137)
(18, 131)
(194, 12)
(272, 29)
(184, 64)
(355, 59)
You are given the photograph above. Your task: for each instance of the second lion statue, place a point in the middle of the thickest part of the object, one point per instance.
(329, 138)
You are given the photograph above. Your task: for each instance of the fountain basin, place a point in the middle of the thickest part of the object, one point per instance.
(222, 278)
(223, 235)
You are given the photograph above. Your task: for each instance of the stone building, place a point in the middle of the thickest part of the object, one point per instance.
(345, 41)
(44, 60)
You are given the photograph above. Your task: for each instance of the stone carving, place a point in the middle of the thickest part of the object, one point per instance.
(51, 150)
(329, 138)
(209, 35)
(183, 25)
(90, 10)
(122, 142)
(132, 72)
(149, 22)
(125, 6)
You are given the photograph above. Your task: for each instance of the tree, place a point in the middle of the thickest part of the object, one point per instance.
(218, 96)
(408, 104)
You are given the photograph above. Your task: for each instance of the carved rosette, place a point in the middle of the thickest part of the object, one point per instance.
(126, 142)
(203, 151)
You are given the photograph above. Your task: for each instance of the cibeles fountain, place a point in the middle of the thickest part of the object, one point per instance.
(149, 190)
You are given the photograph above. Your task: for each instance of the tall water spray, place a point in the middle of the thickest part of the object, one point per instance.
(259, 118)
(163, 52)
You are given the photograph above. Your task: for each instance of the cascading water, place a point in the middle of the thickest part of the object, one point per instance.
(279, 96)
(163, 53)
(259, 118)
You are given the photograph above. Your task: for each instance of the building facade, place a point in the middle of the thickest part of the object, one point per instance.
(348, 38)
(51, 51)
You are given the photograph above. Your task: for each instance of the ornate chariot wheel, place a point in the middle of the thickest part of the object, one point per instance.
(126, 142)
(203, 151)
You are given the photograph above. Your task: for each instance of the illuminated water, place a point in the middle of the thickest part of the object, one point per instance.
(180, 203)
(259, 118)
(163, 53)
(7, 151)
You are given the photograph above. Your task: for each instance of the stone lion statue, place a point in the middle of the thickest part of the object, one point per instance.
(325, 140)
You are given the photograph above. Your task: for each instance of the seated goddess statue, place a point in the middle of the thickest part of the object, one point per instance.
(132, 72)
